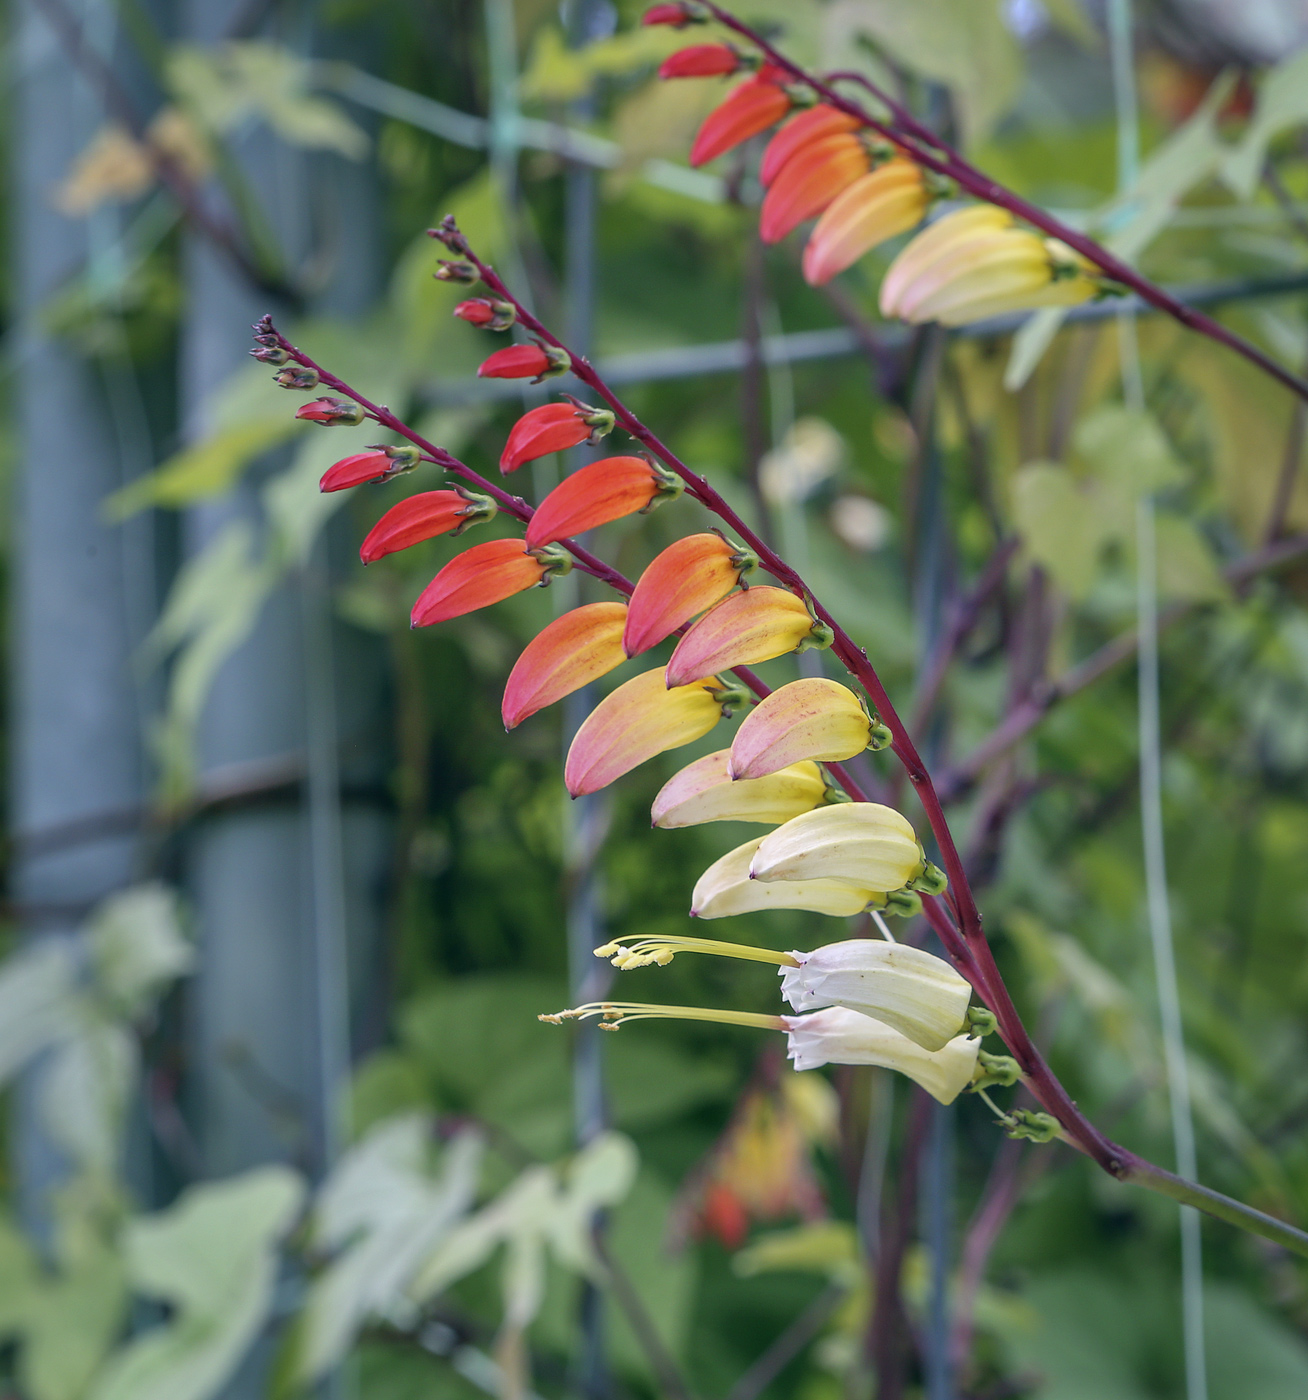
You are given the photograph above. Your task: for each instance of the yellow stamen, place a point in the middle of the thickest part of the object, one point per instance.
(644, 951)
(612, 1014)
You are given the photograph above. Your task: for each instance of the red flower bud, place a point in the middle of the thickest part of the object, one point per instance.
(553, 427)
(423, 517)
(376, 464)
(534, 362)
(755, 105)
(701, 61)
(482, 311)
(678, 16)
(331, 412)
(818, 122)
(817, 172)
(485, 574)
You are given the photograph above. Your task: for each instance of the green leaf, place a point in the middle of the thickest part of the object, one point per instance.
(83, 1093)
(1187, 570)
(1059, 524)
(209, 468)
(1282, 104)
(38, 1003)
(137, 946)
(1127, 449)
(212, 1258)
(73, 1323)
(386, 1212)
(824, 1247)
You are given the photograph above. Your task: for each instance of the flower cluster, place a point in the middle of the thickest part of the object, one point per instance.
(863, 190)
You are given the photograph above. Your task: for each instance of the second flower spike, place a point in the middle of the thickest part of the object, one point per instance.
(745, 628)
(638, 720)
(597, 494)
(812, 718)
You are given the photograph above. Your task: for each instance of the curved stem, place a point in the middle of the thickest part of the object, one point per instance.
(928, 150)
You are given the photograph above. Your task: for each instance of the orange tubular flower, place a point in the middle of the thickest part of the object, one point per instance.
(485, 574)
(423, 517)
(745, 628)
(603, 491)
(686, 578)
(758, 103)
(814, 125)
(553, 427)
(888, 200)
(701, 61)
(640, 719)
(534, 362)
(810, 180)
(575, 649)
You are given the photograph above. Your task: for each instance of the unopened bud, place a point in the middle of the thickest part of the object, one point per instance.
(464, 273)
(271, 355)
(677, 15)
(929, 880)
(1034, 1127)
(1002, 1070)
(980, 1021)
(331, 412)
(487, 312)
(297, 377)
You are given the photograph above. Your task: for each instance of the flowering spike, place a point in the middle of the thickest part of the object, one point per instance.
(553, 427)
(423, 517)
(688, 576)
(598, 493)
(726, 888)
(861, 844)
(920, 995)
(838, 1036)
(534, 362)
(745, 628)
(331, 412)
(889, 200)
(376, 464)
(979, 262)
(575, 649)
(810, 180)
(487, 312)
(758, 103)
(485, 574)
(703, 792)
(638, 720)
(800, 131)
(811, 718)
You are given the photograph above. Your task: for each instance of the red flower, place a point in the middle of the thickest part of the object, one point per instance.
(534, 362)
(810, 180)
(755, 105)
(595, 494)
(482, 311)
(331, 412)
(423, 517)
(701, 61)
(553, 427)
(485, 574)
(376, 464)
(575, 649)
(813, 125)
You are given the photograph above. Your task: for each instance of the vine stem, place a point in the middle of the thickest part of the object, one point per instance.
(928, 150)
(956, 918)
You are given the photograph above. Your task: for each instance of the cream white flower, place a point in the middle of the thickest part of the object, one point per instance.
(838, 1036)
(916, 993)
(727, 887)
(859, 843)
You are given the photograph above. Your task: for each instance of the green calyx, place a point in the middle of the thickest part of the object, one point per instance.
(820, 636)
(667, 486)
(744, 561)
(730, 696)
(903, 904)
(560, 362)
(1034, 1127)
(600, 421)
(478, 511)
(403, 458)
(929, 880)
(555, 560)
(1002, 1070)
(981, 1022)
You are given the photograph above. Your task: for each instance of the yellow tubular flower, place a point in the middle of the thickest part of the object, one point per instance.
(703, 792)
(979, 262)
(862, 844)
(726, 888)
